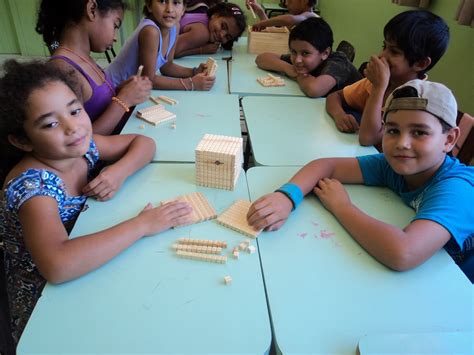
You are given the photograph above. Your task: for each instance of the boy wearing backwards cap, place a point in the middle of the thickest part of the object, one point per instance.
(420, 129)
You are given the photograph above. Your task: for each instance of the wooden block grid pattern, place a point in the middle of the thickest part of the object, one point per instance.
(220, 259)
(210, 243)
(211, 67)
(271, 40)
(204, 249)
(235, 217)
(271, 80)
(202, 209)
(218, 161)
(155, 114)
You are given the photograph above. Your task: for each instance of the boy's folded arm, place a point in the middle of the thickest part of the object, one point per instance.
(316, 86)
(371, 128)
(399, 249)
(272, 61)
(272, 210)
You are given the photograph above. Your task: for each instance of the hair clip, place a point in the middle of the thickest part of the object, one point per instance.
(236, 10)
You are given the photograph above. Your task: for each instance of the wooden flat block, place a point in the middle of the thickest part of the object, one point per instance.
(235, 217)
(202, 210)
(271, 81)
(155, 114)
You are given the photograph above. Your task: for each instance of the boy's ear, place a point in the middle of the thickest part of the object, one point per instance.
(422, 64)
(20, 143)
(452, 137)
(325, 54)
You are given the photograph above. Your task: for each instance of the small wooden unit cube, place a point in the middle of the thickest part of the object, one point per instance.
(218, 161)
(270, 39)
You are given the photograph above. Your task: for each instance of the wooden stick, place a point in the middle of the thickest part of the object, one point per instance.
(140, 69)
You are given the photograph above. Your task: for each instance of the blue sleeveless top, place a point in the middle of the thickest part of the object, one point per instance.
(24, 282)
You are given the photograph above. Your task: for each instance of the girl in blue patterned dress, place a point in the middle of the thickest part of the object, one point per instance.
(46, 139)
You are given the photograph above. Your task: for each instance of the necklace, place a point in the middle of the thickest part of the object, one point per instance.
(94, 67)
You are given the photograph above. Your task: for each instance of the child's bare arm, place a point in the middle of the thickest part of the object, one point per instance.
(271, 211)
(193, 37)
(334, 106)
(316, 86)
(371, 129)
(60, 259)
(287, 20)
(257, 8)
(132, 92)
(272, 61)
(399, 249)
(130, 153)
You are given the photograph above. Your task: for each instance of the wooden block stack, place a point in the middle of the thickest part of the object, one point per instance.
(155, 114)
(218, 161)
(200, 249)
(270, 39)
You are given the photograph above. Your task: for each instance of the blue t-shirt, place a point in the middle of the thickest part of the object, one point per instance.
(447, 198)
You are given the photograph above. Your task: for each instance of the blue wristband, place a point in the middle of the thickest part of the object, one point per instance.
(293, 192)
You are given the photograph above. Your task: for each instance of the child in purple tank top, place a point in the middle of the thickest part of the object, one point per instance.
(203, 33)
(81, 28)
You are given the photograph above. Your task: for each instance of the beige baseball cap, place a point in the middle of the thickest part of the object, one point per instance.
(434, 98)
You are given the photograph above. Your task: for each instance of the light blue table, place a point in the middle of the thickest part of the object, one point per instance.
(326, 293)
(244, 73)
(196, 114)
(221, 85)
(460, 343)
(147, 300)
(295, 130)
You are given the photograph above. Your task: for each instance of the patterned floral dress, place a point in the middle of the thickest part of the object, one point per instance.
(24, 282)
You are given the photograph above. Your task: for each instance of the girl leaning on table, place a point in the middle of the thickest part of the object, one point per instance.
(48, 154)
(72, 30)
(153, 45)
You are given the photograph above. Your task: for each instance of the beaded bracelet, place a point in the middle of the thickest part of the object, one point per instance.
(192, 84)
(121, 103)
(182, 83)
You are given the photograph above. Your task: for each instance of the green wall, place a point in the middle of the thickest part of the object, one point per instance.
(361, 23)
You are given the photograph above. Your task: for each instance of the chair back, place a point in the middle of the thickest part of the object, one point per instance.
(464, 148)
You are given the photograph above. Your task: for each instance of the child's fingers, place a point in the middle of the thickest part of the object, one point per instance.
(148, 207)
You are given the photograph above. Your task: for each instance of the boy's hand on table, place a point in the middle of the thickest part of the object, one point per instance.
(346, 123)
(270, 212)
(332, 194)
